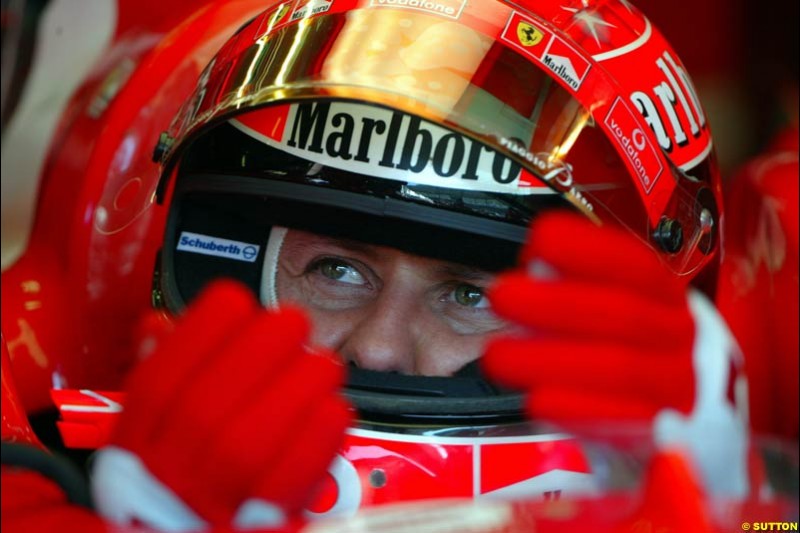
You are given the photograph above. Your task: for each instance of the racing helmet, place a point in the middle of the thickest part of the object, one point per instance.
(440, 128)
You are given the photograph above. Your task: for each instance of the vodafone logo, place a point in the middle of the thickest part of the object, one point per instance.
(640, 153)
(448, 8)
(639, 140)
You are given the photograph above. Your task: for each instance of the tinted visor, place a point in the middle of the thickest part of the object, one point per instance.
(442, 90)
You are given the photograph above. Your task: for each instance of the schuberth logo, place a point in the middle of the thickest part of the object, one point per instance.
(448, 8)
(225, 248)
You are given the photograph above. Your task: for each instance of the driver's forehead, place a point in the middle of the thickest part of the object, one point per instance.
(299, 246)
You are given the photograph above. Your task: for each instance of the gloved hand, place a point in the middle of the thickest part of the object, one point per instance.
(229, 421)
(608, 335)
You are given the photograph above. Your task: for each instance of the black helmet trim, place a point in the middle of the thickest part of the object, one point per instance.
(242, 210)
(384, 207)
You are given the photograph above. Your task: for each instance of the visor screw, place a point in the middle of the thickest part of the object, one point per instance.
(669, 235)
(162, 147)
(377, 478)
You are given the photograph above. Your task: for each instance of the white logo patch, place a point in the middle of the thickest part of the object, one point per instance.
(447, 8)
(391, 145)
(207, 245)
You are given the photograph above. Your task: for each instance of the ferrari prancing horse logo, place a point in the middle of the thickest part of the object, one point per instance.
(528, 34)
(278, 14)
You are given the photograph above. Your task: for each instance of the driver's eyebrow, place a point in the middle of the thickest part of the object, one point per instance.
(464, 272)
(368, 250)
(443, 269)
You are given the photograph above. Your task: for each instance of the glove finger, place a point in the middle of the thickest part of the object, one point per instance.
(585, 412)
(240, 371)
(594, 368)
(268, 425)
(153, 327)
(576, 247)
(253, 439)
(296, 474)
(202, 328)
(584, 311)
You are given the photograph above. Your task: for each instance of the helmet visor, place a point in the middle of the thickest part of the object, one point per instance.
(453, 106)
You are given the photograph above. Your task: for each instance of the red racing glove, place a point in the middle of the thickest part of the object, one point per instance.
(608, 335)
(230, 421)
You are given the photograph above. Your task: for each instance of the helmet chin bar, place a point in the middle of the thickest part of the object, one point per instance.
(385, 397)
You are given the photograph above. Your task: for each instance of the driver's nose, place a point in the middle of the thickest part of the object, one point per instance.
(384, 339)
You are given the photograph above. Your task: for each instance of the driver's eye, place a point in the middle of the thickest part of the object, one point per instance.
(339, 271)
(470, 296)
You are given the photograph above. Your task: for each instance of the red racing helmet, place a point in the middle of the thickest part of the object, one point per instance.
(441, 128)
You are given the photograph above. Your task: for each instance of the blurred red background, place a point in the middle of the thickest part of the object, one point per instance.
(743, 58)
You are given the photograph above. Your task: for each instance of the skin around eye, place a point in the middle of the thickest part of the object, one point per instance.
(329, 282)
(466, 309)
(386, 309)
